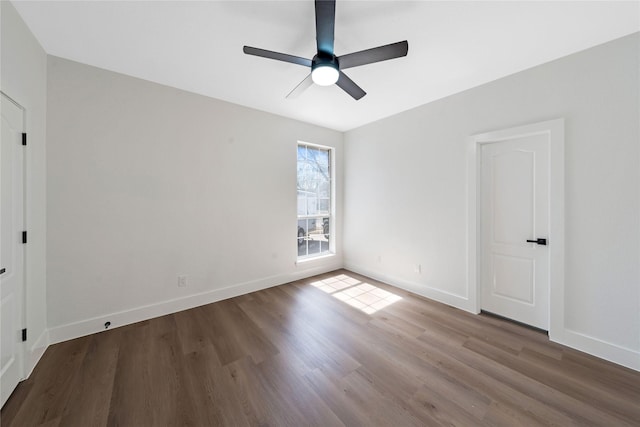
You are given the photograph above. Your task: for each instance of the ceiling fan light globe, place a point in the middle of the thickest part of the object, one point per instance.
(325, 75)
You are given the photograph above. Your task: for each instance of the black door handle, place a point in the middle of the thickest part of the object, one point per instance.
(538, 241)
(2, 270)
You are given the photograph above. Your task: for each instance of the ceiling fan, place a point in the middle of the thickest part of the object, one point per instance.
(326, 67)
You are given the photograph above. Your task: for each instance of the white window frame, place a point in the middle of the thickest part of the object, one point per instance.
(332, 198)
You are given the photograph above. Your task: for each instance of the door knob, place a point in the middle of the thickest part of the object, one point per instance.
(538, 241)
(2, 270)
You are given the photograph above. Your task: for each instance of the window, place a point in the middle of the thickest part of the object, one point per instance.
(314, 200)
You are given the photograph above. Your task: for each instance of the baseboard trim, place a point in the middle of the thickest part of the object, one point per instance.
(596, 347)
(617, 354)
(126, 317)
(611, 352)
(35, 353)
(421, 289)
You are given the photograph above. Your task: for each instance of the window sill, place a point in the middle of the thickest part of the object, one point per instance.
(315, 258)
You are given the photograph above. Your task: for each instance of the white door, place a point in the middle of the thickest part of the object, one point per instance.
(11, 247)
(515, 209)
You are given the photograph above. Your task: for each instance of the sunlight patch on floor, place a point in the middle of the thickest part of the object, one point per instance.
(361, 295)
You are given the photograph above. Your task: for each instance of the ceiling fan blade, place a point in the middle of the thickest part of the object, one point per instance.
(349, 86)
(325, 25)
(376, 54)
(276, 55)
(302, 86)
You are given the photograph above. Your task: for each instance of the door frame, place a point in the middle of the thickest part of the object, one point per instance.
(555, 131)
(21, 346)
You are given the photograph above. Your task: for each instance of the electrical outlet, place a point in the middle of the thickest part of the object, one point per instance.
(379, 259)
(417, 268)
(182, 281)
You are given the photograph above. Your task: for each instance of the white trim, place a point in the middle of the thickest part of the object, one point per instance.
(21, 351)
(314, 258)
(557, 328)
(611, 352)
(35, 353)
(17, 104)
(96, 324)
(426, 291)
(332, 201)
(602, 349)
(555, 130)
(596, 347)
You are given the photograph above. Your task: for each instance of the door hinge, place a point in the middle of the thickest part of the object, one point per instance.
(24, 237)
(24, 334)
(24, 138)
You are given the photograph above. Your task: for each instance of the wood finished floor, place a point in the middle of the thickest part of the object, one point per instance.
(302, 354)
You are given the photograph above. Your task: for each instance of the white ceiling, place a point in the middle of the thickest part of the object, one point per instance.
(197, 46)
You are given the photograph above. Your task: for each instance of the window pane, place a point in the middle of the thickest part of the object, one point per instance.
(314, 200)
(302, 237)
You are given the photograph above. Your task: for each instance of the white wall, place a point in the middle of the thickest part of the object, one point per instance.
(406, 195)
(147, 182)
(24, 78)
(144, 182)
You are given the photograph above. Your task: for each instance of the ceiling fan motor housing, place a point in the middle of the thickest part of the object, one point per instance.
(323, 59)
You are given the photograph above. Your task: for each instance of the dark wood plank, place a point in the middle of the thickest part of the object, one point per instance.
(93, 388)
(52, 381)
(210, 388)
(584, 390)
(303, 354)
(132, 392)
